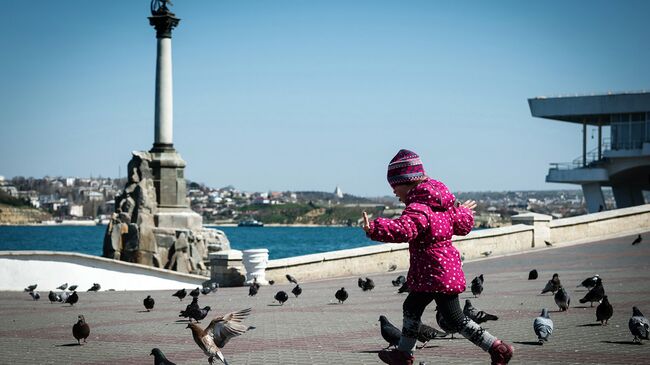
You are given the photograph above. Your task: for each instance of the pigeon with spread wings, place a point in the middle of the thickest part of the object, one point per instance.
(220, 330)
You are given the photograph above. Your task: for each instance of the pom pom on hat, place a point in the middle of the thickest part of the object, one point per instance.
(404, 168)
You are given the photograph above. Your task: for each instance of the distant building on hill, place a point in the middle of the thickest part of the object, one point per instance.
(338, 192)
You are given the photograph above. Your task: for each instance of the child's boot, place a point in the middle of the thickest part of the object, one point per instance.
(500, 352)
(396, 357)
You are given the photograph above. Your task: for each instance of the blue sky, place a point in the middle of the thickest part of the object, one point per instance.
(307, 95)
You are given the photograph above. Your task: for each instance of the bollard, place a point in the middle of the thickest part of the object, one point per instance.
(255, 262)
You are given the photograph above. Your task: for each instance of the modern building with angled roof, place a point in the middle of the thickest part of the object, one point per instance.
(621, 162)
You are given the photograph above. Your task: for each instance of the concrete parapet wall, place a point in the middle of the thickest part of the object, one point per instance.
(607, 223)
(49, 269)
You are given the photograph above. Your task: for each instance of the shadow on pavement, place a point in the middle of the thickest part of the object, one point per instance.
(623, 342)
(590, 325)
(529, 343)
(68, 345)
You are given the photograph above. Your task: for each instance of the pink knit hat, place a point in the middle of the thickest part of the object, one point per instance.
(405, 168)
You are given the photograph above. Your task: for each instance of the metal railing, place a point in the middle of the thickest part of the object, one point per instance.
(592, 160)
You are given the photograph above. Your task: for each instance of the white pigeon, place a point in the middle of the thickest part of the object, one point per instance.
(543, 326)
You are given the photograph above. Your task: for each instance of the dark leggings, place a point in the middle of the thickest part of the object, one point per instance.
(448, 306)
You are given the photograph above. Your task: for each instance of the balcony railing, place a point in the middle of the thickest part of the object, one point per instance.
(592, 160)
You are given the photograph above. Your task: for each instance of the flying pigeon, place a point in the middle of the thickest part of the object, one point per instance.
(427, 333)
(477, 315)
(392, 267)
(596, 294)
(72, 287)
(297, 290)
(291, 279)
(477, 285)
(399, 281)
(590, 282)
(195, 292)
(562, 299)
(180, 294)
(532, 275)
(31, 287)
(53, 297)
(81, 330)
(443, 324)
(281, 297)
(72, 298)
(148, 303)
(63, 286)
(604, 311)
(543, 326)
(639, 325)
(341, 295)
(35, 295)
(637, 240)
(389, 332)
(552, 285)
(95, 287)
(159, 358)
(220, 330)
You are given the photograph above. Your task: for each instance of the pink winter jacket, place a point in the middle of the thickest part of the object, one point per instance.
(427, 224)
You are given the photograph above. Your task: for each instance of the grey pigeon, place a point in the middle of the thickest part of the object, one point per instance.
(590, 282)
(366, 285)
(604, 311)
(63, 286)
(159, 358)
(31, 288)
(148, 303)
(63, 296)
(35, 295)
(596, 294)
(180, 294)
(206, 290)
(477, 285)
(477, 315)
(199, 314)
(443, 324)
(53, 297)
(543, 326)
(552, 285)
(297, 290)
(95, 287)
(389, 332)
(427, 333)
(341, 295)
(291, 279)
(72, 287)
(281, 297)
(392, 267)
(486, 253)
(637, 240)
(639, 325)
(532, 275)
(195, 292)
(562, 299)
(399, 281)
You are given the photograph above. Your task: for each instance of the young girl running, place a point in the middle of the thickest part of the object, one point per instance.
(428, 223)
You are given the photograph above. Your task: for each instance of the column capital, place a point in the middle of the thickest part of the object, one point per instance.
(162, 19)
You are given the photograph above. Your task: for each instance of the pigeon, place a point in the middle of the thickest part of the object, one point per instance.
(543, 326)
(548, 243)
(366, 285)
(81, 330)
(389, 332)
(72, 299)
(486, 253)
(195, 292)
(341, 295)
(562, 299)
(95, 287)
(444, 325)
(53, 297)
(637, 240)
(297, 290)
(392, 267)
(206, 290)
(552, 285)
(180, 294)
(63, 286)
(281, 297)
(35, 295)
(399, 281)
(220, 330)
(639, 325)
(427, 333)
(477, 285)
(159, 358)
(63, 296)
(31, 288)
(252, 290)
(72, 287)
(190, 308)
(532, 275)
(403, 289)
(604, 311)
(596, 294)
(477, 315)
(590, 282)
(292, 279)
(271, 282)
(199, 314)
(148, 303)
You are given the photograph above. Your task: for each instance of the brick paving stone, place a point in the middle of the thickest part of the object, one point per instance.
(315, 329)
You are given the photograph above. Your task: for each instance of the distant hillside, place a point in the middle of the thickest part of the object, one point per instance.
(307, 214)
(315, 196)
(22, 215)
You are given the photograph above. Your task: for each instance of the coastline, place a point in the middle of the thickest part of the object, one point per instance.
(300, 225)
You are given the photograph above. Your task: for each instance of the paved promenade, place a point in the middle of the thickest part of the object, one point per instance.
(313, 329)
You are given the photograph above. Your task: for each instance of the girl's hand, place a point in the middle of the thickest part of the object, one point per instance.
(469, 204)
(366, 222)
